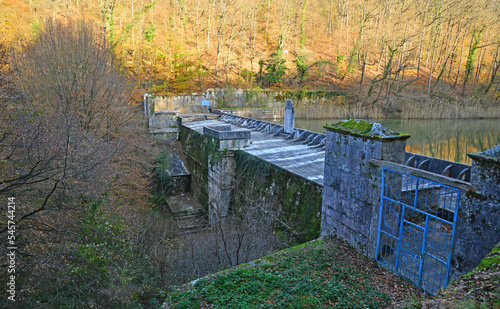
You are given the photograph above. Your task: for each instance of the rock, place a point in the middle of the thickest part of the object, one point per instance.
(381, 130)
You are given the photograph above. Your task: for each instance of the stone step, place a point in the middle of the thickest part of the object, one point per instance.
(182, 203)
(189, 215)
(192, 223)
(187, 212)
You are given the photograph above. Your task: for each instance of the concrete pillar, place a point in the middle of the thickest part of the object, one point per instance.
(146, 105)
(289, 117)
(221, 167)
(478, 221)
(352, 183)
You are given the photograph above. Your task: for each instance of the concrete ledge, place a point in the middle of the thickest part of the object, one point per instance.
(224, 127)
(167, 112)
(169, 137)
(487, 156)
(165, 130)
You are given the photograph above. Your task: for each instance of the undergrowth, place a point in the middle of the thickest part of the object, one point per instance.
(294, 278)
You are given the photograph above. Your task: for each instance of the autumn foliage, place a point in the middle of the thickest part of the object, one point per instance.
(69, 134)
(384, 49)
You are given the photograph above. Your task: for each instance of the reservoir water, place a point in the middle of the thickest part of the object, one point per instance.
(448, 139)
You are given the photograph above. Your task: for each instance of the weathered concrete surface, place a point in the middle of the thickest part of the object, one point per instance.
(189, 117)
(478, 222)
(289, 117)
(297, 158)
(221, 174)
(281, 174)
(351, 192)
(165, 125)
(228, 138)
(180, 176)
(187, 212)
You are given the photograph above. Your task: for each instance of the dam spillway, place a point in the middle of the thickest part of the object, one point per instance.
(300, 159)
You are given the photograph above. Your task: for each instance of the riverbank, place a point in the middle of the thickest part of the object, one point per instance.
(472, 108)
(268, 104)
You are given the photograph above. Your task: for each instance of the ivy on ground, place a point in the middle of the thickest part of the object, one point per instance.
(303, 277)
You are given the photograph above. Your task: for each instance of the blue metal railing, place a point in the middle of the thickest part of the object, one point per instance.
(416, 228)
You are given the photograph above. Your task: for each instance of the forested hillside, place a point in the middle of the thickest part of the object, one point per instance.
(82, 181)
(381, 48)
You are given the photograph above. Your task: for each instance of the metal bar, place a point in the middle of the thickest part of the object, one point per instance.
(412, 253)
(420, 211)
(415, 225)
(452, 241)
(381, 213)
(424, 245)
(437, 258)
(416, 195)
(388, 234)
(400, 235)
(416, 256)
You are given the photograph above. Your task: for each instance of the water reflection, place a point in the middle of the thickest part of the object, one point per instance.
(445, 139)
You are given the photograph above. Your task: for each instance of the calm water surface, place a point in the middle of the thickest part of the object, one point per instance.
(445, 139)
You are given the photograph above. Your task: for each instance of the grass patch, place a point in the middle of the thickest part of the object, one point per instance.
(307, 276)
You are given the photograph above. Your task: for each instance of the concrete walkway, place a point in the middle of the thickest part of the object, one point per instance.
(299, 159)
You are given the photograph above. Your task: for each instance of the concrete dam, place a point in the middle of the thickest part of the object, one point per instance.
(427, 219)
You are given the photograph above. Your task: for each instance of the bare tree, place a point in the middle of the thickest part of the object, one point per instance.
(58, 137)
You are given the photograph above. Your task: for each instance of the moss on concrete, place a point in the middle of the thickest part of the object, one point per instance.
(491, 260)
(297, 200)
(196, 150)
(360, 126)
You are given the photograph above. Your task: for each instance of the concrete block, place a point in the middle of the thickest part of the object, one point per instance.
(222, 133)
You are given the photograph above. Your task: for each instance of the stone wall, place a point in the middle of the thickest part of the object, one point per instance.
(196, 149)
(165, 125)
(352, 190)
(220, 185)
(352, 185)
(180, 178)
(229, 98)
(254, 103)
(478, 224)
(256, 113)
(296, 200)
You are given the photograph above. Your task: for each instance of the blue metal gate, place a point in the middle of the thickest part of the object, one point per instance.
(417, 228)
